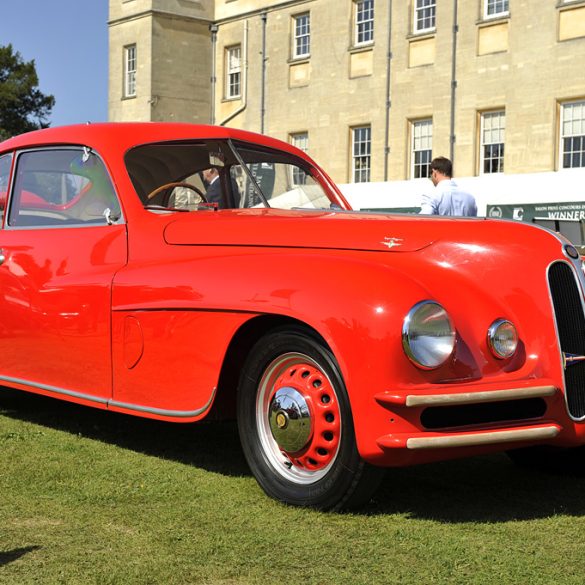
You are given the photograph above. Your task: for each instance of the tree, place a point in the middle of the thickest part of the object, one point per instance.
(23, 107)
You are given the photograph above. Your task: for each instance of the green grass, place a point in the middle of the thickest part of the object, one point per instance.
(91, 497)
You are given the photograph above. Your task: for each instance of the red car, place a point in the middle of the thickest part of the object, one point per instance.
(171, 271)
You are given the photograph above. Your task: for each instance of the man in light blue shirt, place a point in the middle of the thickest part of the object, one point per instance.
(447, 198)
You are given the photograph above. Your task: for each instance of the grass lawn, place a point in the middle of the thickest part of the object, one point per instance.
(92, 497)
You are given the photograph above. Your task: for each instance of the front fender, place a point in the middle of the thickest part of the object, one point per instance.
(354, 300)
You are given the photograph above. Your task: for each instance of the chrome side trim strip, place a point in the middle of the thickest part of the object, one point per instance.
(55, 390)
(478, 397)
(162, 411)
(487, 438)
(108, 403)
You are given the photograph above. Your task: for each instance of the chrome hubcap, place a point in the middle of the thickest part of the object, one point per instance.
(290, 420)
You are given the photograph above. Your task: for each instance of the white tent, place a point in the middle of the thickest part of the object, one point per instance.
(496, 189)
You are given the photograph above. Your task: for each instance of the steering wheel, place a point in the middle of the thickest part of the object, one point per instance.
(176, 184)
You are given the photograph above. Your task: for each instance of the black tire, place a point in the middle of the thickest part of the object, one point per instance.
(291, 388)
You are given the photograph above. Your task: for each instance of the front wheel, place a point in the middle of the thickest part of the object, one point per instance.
(296, 428)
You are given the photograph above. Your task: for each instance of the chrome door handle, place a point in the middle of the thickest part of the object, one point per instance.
(2, 257)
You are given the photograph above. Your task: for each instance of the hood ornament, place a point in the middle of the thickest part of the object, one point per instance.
(392, 242)
(571, 359)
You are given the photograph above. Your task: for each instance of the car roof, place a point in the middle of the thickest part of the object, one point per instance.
(121, 136)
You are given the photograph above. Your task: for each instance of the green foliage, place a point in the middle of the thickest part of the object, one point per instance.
(89, 497)
(23, 107)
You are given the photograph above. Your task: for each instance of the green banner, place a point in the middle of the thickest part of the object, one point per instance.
(566, 218)
(574, 211)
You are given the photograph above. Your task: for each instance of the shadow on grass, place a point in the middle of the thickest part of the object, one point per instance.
(7, 557)
(489, 488)
(212, 445)
(481, 489)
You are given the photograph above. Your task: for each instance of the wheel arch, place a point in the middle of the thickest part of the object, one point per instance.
(244, 339)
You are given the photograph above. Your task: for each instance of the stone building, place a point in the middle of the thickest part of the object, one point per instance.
(372, 89)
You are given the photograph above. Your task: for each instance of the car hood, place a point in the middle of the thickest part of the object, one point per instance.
(344, 230)
(297, 229)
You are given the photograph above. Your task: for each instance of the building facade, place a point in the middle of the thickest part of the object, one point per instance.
(372, 89)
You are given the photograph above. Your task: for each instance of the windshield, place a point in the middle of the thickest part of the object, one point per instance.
(283, 182)
(224, 175)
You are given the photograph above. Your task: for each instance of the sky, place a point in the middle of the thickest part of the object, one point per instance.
(68, 41)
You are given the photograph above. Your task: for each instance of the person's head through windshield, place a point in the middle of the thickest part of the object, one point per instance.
(210, 176)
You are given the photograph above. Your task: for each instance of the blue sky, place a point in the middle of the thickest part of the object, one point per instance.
(68, 40)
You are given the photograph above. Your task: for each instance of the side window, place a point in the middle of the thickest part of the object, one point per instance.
(4, 176)
(62, 187)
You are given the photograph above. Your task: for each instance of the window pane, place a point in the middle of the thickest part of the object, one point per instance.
(233, 72)
(302, 39)
(424, 15)
(493, 130)
(494, 7)
(422, 148)
(361, 154)
(573, 135)
(364, 21)
(130, 71)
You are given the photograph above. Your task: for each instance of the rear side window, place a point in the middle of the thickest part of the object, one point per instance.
(62, 187)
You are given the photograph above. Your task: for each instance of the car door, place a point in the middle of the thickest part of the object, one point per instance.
(63, 239)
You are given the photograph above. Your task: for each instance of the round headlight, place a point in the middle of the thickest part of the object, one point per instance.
(428, 337)
(502, 339)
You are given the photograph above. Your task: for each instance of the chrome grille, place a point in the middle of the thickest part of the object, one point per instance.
(566, 297)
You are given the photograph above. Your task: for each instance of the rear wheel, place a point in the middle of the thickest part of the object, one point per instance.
(296, 427)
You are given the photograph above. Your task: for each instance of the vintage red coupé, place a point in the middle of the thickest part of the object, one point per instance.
(344, 342)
